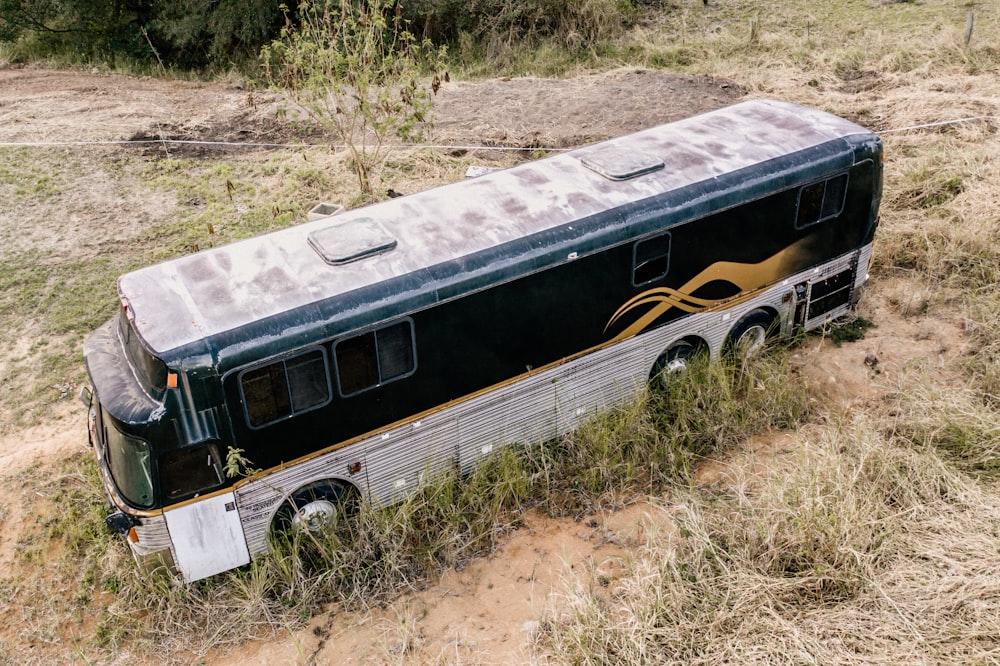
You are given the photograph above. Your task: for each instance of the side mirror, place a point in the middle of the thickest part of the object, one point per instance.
(120, 522)
(86, 396)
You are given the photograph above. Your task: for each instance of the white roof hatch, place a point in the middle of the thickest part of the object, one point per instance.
(351, 240)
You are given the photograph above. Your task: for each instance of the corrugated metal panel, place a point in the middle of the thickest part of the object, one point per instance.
(401, 460)
(153, 536)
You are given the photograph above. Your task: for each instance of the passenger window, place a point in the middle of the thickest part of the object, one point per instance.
(821, 201)
(186, 472)
(286, 387)
(375, 358)
(651, 260)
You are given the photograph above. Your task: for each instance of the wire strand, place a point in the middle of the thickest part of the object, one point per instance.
(549, 149)
(939, 123)
(242, 144)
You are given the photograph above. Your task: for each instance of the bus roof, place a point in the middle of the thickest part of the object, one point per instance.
(188, 299)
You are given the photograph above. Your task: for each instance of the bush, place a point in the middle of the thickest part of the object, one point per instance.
(495, 23)
(353, 68)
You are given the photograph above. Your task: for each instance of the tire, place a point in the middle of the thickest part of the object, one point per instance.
(673, 361)
(315, 506)
(750, 334)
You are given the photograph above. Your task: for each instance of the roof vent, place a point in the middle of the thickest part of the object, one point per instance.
(619, 164)
(351, 240)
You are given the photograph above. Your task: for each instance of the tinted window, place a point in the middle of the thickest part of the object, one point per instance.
(187, 472)
(821, 201)
(286, 387)
(374, 358)
(395, 351)
(307, 381)
(833, 197)
(357, 363)
(128, 460)
(810, 204)
(651, 260)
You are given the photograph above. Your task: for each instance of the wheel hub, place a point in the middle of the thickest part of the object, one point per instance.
(751, 341)
(676, 366)
(313, 516)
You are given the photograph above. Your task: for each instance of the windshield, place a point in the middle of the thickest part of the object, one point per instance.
(128, 460)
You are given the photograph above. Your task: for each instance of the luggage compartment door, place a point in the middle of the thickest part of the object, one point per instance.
(207, 537)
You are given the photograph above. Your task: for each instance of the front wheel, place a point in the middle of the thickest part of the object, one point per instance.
(315, 506)
(674, 361)
(750, 333)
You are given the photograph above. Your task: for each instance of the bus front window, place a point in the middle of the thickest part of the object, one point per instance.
(128, 459)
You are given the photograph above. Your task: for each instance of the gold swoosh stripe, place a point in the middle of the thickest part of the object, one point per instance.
(747, 278)
(663, 294)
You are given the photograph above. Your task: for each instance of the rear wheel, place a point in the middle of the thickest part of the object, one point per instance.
(750, 333)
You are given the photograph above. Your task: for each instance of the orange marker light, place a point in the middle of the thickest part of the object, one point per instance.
(171, 380)
(133, 536)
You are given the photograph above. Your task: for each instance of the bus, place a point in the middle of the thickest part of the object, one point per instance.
(350, 357)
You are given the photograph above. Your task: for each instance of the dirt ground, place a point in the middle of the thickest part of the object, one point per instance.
(60, 106)
(485, 613)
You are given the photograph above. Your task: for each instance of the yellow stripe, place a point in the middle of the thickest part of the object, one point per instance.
(748, 278)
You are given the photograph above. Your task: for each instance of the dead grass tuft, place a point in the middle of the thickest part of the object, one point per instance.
(854, 549)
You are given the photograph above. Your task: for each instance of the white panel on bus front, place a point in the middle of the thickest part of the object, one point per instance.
(207, 537)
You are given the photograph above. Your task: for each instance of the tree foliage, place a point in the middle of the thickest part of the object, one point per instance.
(516, 21)
(184, 33)
(220, 33)
(355, 69)
(84, 27)
(217, 32)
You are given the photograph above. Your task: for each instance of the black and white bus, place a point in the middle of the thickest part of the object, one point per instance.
(354, 354)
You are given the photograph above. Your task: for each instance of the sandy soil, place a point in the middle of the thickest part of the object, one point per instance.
(487, 612)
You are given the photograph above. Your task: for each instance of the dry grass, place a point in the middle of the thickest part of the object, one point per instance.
(854, 550)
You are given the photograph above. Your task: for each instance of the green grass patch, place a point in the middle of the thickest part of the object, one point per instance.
(847, 329)
(52, 306)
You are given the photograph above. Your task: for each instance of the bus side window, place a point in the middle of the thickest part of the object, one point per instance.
(185, 472)
(650, 260)
(285, 387)
(821, 201)
(375, 358)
